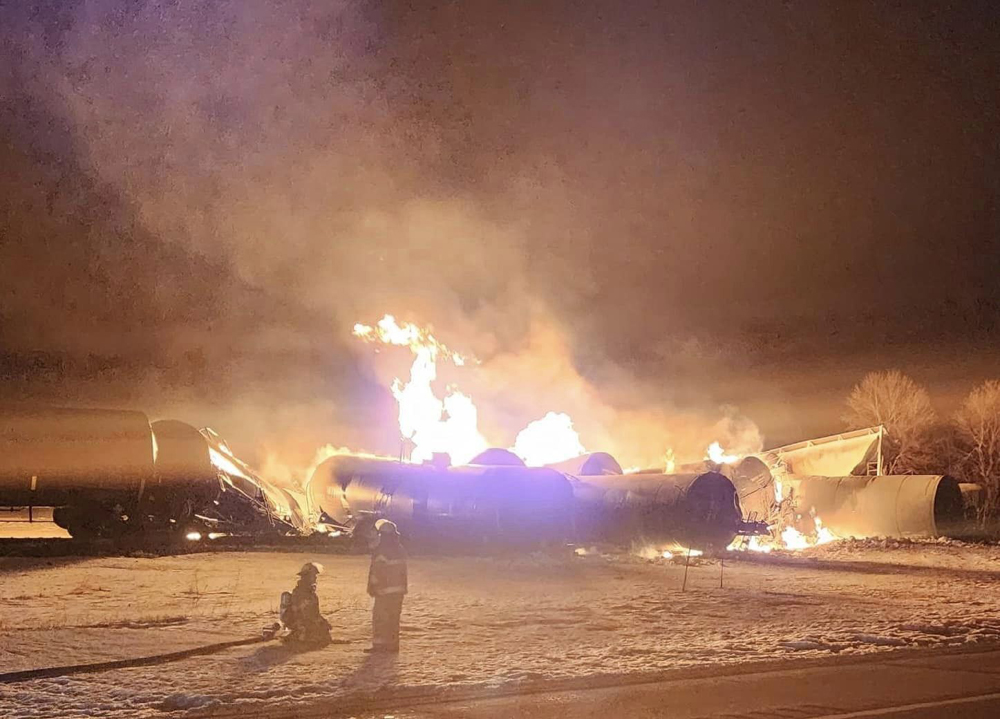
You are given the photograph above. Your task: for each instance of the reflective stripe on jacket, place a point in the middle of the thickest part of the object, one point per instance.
(387, 574)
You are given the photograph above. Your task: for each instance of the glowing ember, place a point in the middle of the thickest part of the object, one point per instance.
(548, 440)
(754, 544)
(719, 456)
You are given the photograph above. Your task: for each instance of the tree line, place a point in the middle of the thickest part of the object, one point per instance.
(965, 445)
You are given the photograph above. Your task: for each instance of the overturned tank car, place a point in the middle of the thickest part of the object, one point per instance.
(510, 504)
(881, 506)
(667, 511)
(441, 506)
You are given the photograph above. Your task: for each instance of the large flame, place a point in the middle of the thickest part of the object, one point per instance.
(433, 425)
(451, 425)
(548, 440)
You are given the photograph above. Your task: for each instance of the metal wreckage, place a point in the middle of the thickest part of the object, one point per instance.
(114, 474)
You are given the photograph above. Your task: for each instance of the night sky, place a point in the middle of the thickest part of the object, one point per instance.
(682, 209)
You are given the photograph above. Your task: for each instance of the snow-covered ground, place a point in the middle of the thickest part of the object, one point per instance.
(468, 622)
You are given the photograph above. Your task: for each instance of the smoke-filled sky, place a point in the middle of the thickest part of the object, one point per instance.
(675, 217)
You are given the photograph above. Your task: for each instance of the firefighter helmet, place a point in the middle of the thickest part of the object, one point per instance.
(313, 568)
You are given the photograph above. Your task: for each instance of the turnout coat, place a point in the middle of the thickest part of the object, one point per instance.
(387, 573)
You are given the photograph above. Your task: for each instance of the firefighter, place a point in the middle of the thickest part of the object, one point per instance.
(300, 610)
(387, 584)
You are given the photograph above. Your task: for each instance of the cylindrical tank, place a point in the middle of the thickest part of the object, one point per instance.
(185, 477)
(53, 457)
(696, 511)
(881, 506)
(497, 457)
(462, 505)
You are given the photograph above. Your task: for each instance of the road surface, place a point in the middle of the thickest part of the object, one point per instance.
(957, 686)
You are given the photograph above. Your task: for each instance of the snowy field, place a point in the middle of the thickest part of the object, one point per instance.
(469, 623)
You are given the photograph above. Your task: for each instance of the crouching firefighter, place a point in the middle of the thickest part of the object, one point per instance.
(300, 610)
(387, 584)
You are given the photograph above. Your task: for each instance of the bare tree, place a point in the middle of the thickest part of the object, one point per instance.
(904, 408)
(978, 427)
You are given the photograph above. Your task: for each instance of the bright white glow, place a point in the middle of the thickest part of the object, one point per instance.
(756, 545)
(717, 454)
(548, 440)
(794, 539)
(193, 536)
(667, 555)
(214, 535)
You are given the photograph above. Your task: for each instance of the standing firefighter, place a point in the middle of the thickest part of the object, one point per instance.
(387, 583)
(300, 610)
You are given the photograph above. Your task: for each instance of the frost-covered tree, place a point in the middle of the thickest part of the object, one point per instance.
(904, 408)
(977, 424)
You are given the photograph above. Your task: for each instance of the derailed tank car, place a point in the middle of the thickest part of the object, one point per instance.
(522, 506)
(697, 510)
(246, 503)
(443, 506)
(881, 506)
(109, 473)
(665, 511)
(91, 465)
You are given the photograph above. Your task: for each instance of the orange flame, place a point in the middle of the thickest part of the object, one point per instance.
(449, 425)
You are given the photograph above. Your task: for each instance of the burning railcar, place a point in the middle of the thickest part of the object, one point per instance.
(510, 504)
(468, 506)
(881, 506)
